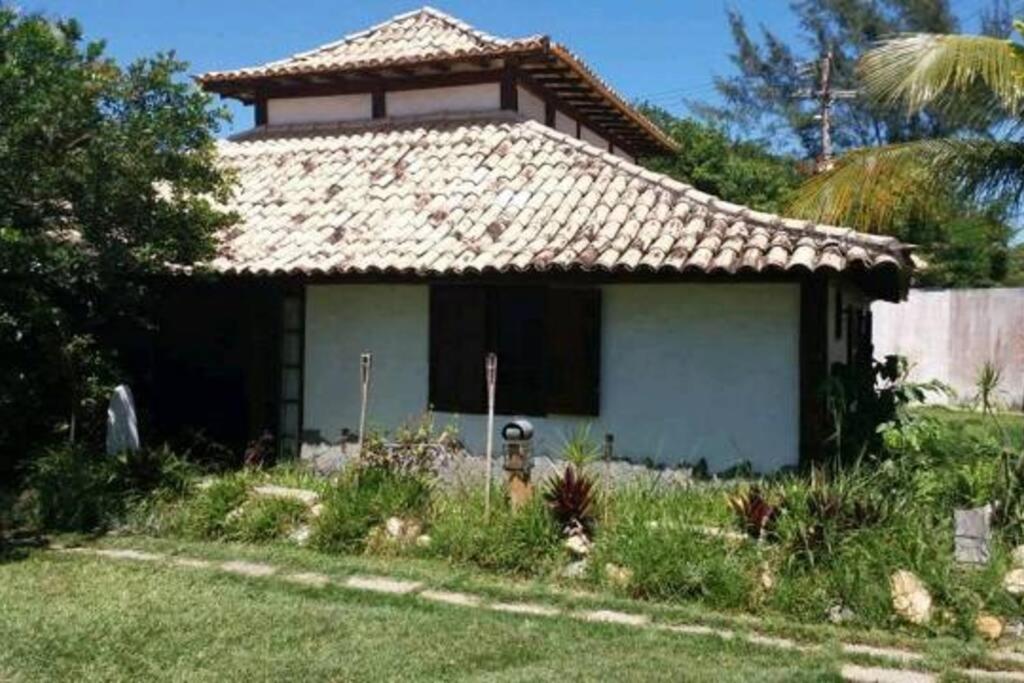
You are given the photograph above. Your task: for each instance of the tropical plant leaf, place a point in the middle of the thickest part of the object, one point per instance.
(871, 188)
(922, 70)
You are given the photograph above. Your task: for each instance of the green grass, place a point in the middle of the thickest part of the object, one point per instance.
(82, 618)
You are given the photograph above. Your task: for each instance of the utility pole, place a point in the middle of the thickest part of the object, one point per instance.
(826, 96)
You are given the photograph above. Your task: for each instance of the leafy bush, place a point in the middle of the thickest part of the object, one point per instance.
(418, 449)
(207, 514)
(523, 542)
(75, 488)
(363, 499)
(755, 515)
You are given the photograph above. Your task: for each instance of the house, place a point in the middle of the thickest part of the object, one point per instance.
(427, 192)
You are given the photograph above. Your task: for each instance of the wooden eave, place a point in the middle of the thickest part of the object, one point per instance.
(550, 72)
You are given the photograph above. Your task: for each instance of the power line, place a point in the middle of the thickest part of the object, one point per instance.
(826, 96)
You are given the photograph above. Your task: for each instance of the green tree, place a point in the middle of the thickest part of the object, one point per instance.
(107, 177)
(768, 96)
(743, 172)
(977, 78)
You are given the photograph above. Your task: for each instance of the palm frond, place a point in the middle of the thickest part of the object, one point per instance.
(921, 70)
(872, 189)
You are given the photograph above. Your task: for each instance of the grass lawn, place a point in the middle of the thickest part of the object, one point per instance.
(78, 617)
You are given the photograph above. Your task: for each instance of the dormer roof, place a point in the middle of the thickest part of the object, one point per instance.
(431, 43)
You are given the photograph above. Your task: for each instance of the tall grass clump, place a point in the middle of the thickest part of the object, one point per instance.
(523, 542)
(363, 499)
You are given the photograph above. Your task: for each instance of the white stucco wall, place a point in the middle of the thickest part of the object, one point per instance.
(460, 98)
(565, 124)
(588, 135)
(531, 106)
(319, 109)
(687, 370)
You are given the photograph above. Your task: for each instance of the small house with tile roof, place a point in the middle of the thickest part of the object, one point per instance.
(427, 192)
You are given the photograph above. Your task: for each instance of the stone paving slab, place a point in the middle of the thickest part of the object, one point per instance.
(312, 579)
(254, 569)
(606, 616)
(452, 598)
(531, 609)
(884, 652)
(383, 584)
(870, 674)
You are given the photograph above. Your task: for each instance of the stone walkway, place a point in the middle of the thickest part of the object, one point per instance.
(401, 587)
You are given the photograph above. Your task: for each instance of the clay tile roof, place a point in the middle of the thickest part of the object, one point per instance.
(427, 36)
(444, 196)
(422, 35)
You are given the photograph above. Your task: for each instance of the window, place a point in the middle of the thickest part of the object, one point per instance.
(547, 341)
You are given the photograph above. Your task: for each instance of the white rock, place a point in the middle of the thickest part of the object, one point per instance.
(316, 510)
(767, 577)
(423, 540)
(988, 626)
(618, 576)
(578, 544)
(839, 614)
(1017, 557)
(308, 498)
(1013, 582)
(575, 570)
(395, 527)
(910, 599)
(300, 534)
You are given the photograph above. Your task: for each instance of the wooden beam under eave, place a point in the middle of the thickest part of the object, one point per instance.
(509, 91)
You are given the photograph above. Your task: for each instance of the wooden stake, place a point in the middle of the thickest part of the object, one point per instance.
(491, 369)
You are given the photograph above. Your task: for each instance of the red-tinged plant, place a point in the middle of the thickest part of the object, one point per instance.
(755, 514)
(570, 498)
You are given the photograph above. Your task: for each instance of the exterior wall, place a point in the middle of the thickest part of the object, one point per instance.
(319, 109)
(565, 124)
(531, 106)
(587, 135)
(460, 98)
(619, 152)
(949, 334)
(688, 371)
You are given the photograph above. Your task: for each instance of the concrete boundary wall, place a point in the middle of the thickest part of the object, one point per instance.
(949, 334)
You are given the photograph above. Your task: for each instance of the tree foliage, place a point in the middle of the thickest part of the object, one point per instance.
(743, 172)
(107, 177)
(768, 96)
(975, 78)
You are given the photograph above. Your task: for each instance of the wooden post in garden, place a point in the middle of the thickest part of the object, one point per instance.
(365, 363)
(491, 370)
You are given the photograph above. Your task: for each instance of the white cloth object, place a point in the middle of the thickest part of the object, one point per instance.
(122, 426)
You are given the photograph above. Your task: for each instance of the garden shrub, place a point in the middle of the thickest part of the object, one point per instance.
(522, 542)
(363, 499)
(265, 519)
(207, 514)
(74, 488)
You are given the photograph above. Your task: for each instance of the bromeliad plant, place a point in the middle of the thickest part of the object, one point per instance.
(756, 516)
(570, 497)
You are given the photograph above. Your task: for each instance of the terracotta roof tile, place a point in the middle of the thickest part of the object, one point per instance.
(436, 196)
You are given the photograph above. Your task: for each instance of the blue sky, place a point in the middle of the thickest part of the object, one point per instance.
(662, 50)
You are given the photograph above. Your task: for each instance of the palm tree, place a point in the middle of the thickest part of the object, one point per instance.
(979, 80)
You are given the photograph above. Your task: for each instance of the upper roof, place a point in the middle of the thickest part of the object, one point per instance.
(430, 39)
(451, 196)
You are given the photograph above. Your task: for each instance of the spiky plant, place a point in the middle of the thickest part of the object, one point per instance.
(977, 79)
(570, 498)
(754, 513)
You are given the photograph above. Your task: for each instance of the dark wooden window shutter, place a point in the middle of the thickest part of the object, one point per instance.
(518, 336)
(573, 351)
(458, 343)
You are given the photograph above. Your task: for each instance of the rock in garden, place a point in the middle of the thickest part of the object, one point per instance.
(578, 545)
(1013, 582)
(988, 627)
(1017, 557)
(910, 599)
(316, 510)
(839, 614)
(618, 576)
(300, 535)
(423, 541)
(303, 496)
(767, 577)
(395, 527)
(575, 570)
